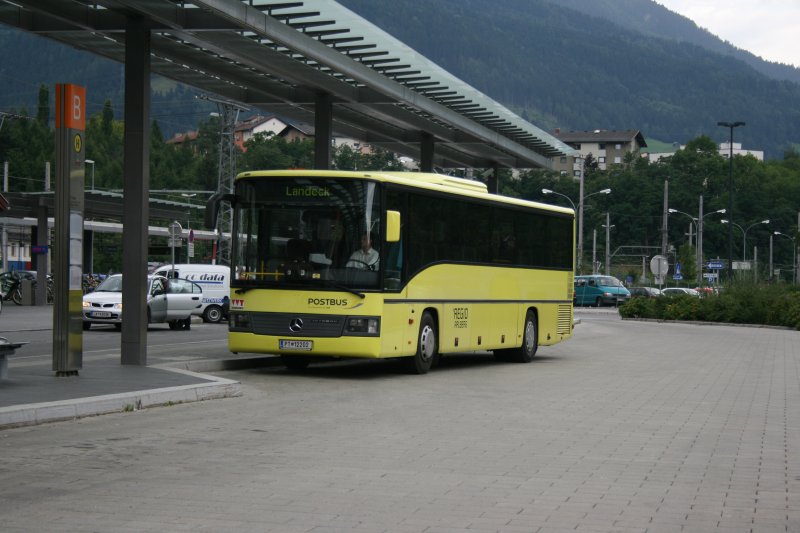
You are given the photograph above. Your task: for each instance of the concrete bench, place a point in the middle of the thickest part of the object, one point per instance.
(7, 348)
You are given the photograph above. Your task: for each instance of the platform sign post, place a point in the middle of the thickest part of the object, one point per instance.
(68, 224)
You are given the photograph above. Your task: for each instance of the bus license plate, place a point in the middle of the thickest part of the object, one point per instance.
(290, 344)
(101, 314)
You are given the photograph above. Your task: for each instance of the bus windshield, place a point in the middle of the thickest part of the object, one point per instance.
(301, 232)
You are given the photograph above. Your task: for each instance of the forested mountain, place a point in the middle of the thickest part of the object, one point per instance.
(571, 64)
(29, 61)
(579, 71)
(653, 19)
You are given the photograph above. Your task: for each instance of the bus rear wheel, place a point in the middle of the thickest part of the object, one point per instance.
(427, 346)
(530, 343)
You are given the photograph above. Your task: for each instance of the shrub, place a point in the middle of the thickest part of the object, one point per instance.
(682, 307)
(785, 310)
(637, 308)
(741, 303)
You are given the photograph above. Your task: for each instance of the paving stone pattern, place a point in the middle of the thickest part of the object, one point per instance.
(629, 426)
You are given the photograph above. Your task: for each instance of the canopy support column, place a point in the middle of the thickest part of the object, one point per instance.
(136, 187)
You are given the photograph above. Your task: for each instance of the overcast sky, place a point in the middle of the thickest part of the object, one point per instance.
(767, 28)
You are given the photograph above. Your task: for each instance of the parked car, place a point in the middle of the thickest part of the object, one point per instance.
(173, 301)
(599, 290)
(644, 292)
(676, 291)
(215, 280)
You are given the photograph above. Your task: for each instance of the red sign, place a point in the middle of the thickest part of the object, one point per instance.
(73, 100)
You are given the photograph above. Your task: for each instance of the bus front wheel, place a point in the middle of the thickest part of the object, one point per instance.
(427, 346)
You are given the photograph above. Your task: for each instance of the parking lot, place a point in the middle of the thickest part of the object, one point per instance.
(629, 426)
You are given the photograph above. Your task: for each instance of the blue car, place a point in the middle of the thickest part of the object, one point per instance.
(599, 291)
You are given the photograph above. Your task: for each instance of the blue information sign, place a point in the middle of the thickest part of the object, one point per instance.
(716, 265)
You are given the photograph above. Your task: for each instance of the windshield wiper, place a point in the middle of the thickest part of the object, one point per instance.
(344, 288)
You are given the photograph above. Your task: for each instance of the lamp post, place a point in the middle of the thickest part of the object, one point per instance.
(744, 233)
(699, 222)
(794, 254)
(608, 227)
(730, 126)
(580, 215)
(90, 162)
(188, 196)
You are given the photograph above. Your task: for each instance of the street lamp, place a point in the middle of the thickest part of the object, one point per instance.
(794, 254)
(744, 233)
(699, 222)
(548, 191)
(90, 162)
(188, 196)
(580, 216)
(730, 126)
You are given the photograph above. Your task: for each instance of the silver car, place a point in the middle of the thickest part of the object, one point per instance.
(674, 291)
(172, 301)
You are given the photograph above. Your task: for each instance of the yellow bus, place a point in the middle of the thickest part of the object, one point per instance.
(393, 265)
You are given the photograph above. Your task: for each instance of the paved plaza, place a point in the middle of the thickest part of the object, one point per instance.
(629, 426)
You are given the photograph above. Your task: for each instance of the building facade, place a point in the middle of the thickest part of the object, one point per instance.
(605, 147)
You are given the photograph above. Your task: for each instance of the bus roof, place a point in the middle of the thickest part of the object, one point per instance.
(424, 180)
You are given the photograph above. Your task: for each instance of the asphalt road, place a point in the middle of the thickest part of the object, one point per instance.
(629, 426)
(34, 325)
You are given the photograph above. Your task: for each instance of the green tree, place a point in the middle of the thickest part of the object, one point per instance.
(43, 110)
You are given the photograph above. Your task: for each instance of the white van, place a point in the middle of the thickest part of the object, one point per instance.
(214, 279)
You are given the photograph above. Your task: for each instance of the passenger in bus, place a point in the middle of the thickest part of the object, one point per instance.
(366, 257)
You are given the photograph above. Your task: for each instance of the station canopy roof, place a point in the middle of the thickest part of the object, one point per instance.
(279, 56)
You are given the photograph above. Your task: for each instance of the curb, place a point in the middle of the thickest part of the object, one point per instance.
(40, 413)
(703, 323)
(217, 365)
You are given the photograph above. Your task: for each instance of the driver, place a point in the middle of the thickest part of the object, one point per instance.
(366, 257)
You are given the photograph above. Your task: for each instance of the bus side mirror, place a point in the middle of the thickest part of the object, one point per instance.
(212, 208)
(392, 226)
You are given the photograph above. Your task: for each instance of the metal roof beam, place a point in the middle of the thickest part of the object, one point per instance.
(363, 74)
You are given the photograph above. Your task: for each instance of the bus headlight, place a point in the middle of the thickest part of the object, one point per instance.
(362, 326)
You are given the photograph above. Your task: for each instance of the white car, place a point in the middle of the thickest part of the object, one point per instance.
(673, 291)
(172, 301)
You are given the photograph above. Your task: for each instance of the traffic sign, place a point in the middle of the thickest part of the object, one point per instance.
(175, 229)
(659, 266)
(716, 265)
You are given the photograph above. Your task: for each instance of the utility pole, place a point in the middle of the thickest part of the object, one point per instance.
(608, 244)
(228, 116)
(664, 219)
